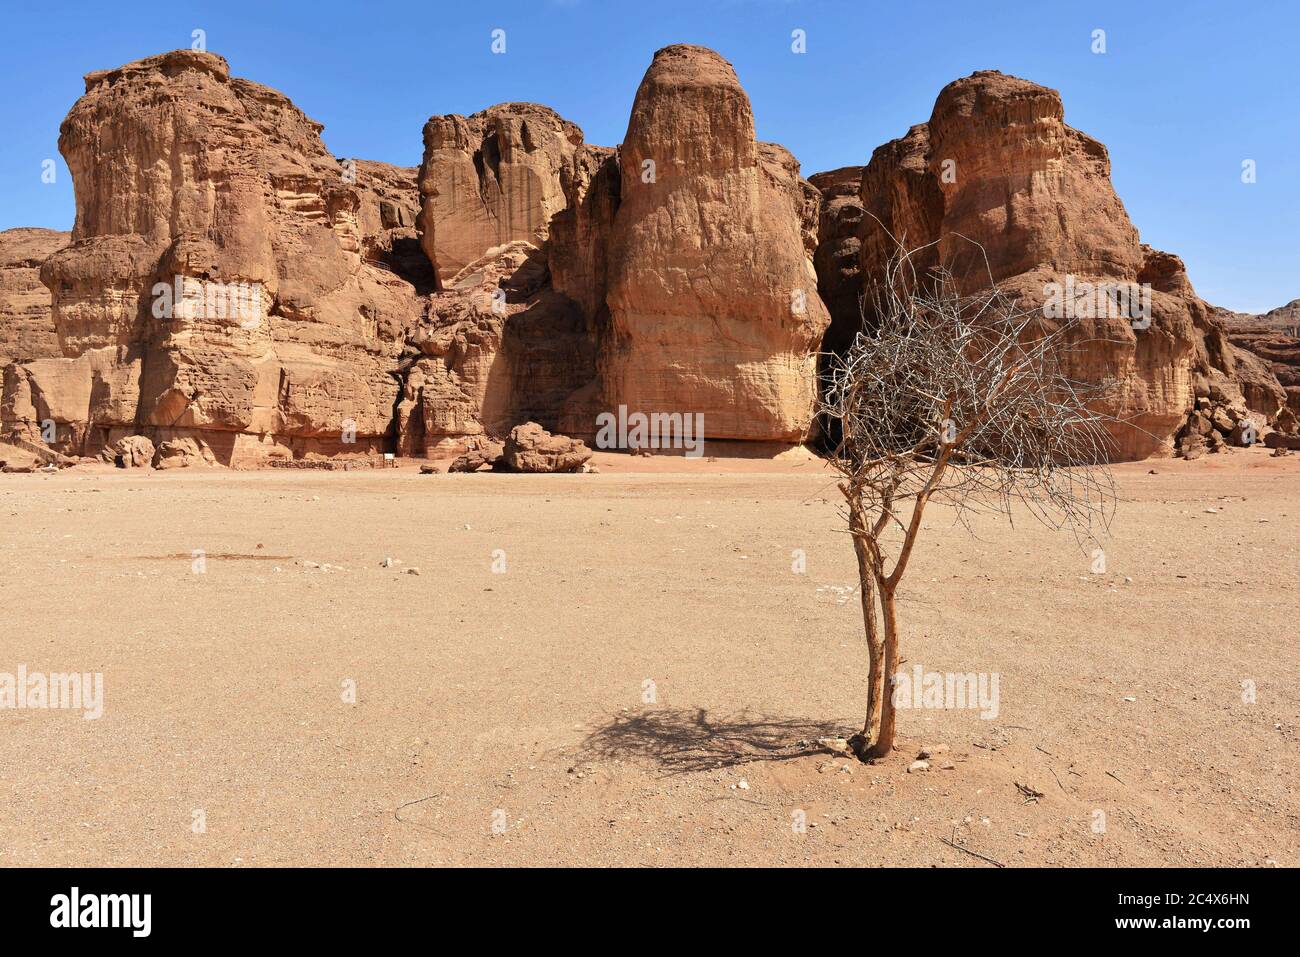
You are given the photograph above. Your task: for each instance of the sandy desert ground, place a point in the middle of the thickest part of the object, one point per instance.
(499, 717)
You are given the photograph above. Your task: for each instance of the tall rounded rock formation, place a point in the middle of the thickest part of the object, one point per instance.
(215, 286)
(712, 296)
(575, 278)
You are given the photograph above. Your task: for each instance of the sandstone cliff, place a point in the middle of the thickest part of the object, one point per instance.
(510, 334)
(219, 189)
(996, 165)
(499, 346)
(490, 179)
(390, 208)
(524, 275)
(838, 253)
(575, 278)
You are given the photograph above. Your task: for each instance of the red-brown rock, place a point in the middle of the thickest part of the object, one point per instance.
(491, 179)
(997, 166)
(26, 325)
(191, 179)
(712, 294)
(530, 448)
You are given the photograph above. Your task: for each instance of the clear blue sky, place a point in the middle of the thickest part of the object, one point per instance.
(1184, 93)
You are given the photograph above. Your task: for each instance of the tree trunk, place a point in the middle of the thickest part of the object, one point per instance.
(867, 578)
(884, 742)
(875, 671)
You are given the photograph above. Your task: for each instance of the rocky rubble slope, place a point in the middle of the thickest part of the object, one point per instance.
(1274, 337)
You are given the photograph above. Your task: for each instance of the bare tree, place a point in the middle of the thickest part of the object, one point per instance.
(959, 399)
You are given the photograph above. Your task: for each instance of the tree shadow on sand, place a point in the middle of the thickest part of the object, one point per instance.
(681, 741)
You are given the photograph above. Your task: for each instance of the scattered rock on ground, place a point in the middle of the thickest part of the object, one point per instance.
(531, 448)
(489, 453)
(133, 451)
(183, 453)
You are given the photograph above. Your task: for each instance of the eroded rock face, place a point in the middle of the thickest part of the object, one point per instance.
(712, 295)
(997, 165)
(522, 275)
(558, 300)
(26, 325)
(579, 260)
(231, 286)
(390, 207)
(515, 215)
(216, 193)
(837, 256)
(491, 179)
(1273, 340)
(499, 345)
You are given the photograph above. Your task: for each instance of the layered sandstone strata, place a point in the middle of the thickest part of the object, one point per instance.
(215, 285)
(996, 187)
(1274, 338)
(26, 324)
(521, 274)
